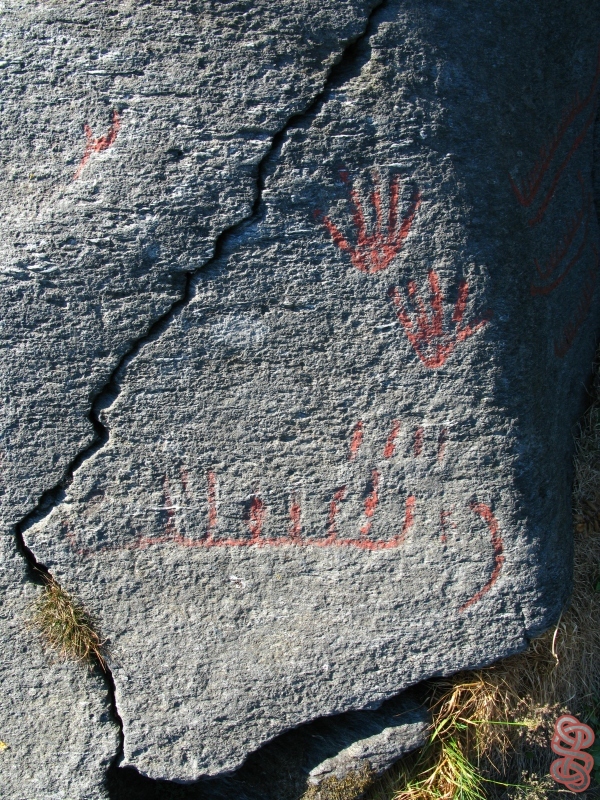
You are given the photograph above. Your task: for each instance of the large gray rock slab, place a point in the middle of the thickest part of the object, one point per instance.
(372, 739)
(344, 465)
(132, 136)
(282, 769)
(54, 718)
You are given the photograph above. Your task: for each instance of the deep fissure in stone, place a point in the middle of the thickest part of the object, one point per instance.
(341, 71)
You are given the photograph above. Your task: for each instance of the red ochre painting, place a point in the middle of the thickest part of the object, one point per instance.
(432, 340)
(99, 144)
(432, 337)
(373, 252)
(536, 192)
(256, 510)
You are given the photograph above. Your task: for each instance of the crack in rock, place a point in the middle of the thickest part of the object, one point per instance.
(339, 72)
(328, 472)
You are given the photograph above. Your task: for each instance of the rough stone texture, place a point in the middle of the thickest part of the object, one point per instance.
(302, 508)
(101, 225)
(87, 264)
(387, 736)
(314, 493)
(280, 770)
(54, 718)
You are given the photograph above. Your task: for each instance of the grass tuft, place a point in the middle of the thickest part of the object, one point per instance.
(66, 625)
(351, 787)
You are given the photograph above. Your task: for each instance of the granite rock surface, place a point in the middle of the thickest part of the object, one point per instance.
(57, 733)
(333, 450)
(131, 139)
(375, 740)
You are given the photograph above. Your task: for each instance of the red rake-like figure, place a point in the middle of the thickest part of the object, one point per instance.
(426, 332)
(374, 251)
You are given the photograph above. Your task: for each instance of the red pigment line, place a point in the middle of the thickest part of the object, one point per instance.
(409, 517)
(490, 520)
(256, 517)
(390, 445)
(295, 520)
(418, 442)
(333, 512)
(371, 501)
(526, 195)
(143, 542)
(444, 517)
(279, 541)
(442, 441)
(572, 230)
(212, 504)
(356, 441)
(572, 150)
(560, 253)
(571, 330)
(100, 144)
(427, 334)
(374, 251)
(72, 539)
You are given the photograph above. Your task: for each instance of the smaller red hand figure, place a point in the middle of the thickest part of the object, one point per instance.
(373, 252)
(430, 341)
(99, 144)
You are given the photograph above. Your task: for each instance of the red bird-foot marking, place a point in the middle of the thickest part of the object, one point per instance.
(295, 520)
(212, 503)
(570, 738)
(100, 144)
(571, 330)
(356, 441)
(390, 445)
(256, 517)
(430, 341)
(571, 152)
(527, 193)
(442, 441)
(371, 502)
(373, 252)
(418, 442)
(549, 272)
(490, 520)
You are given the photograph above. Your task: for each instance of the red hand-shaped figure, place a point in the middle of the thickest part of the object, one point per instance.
(431, 343)
(573, 769)
(373, 252)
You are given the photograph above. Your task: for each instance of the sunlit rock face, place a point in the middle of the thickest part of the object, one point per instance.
(336, 462)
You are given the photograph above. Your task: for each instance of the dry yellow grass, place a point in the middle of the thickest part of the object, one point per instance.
(66, 626)
(491, 728)
(353, 785)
